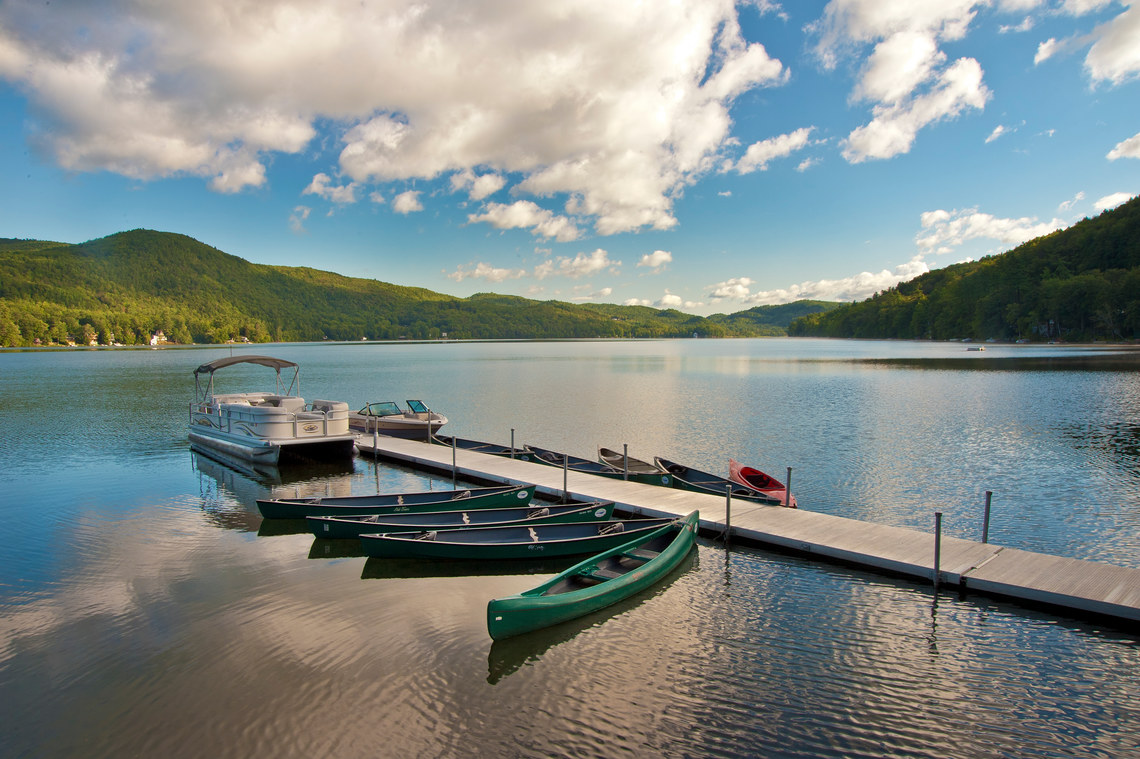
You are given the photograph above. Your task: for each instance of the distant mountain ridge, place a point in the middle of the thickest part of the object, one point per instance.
(1080, 284)
(125, 287)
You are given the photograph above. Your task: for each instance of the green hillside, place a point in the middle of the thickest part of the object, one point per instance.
(122, 288)
(1078, 284)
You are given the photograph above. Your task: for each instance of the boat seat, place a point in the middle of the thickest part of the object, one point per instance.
(603, 574)
(641, 554)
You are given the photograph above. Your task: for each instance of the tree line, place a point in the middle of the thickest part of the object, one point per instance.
(1077, 284)
(123, 288)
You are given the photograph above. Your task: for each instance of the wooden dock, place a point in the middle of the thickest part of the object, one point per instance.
(1080, 587)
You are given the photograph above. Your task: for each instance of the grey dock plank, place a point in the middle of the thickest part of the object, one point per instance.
(1078, 585)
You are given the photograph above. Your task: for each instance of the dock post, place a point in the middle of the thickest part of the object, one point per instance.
(512, 442)
(625, 461)
(727, 513)
(565, 477)
(788, 490)
(937, 548)
(453, 467)
(375, 442)
(428, 423)
(986, 519)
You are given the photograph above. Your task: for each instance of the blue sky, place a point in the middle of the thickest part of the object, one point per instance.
(694, 154)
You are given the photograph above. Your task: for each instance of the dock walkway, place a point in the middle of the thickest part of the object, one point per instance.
(1074, 585)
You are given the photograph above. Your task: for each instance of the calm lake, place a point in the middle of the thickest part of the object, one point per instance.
(145, 610)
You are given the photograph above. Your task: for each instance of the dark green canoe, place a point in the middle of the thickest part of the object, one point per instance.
(499, 496)
(596, 582)
(519, 542)
(354, 526)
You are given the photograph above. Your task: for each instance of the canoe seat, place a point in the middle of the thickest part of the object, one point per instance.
(604, 574)
(641, 554)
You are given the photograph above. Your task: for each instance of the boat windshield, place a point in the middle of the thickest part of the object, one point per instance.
(417, 407)
(388, 408)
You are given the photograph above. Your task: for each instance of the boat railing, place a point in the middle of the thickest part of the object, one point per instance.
(318, 419)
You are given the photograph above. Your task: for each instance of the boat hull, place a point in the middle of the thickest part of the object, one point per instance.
(547, 605)
(687, 478)
(586, 466)
(342, 528)
(507, 543)
(398, 503)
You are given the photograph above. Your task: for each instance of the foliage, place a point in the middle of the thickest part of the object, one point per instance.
(122, 288)
(1081, 283)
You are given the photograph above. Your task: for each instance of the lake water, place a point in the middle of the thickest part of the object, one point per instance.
(146, 611)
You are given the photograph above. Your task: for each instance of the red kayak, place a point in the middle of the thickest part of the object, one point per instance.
(757, 480)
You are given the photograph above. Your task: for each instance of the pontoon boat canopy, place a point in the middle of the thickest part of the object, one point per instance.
(221, 363)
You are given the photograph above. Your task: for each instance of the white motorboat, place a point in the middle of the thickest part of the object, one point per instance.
(261, 426)
(387, 418)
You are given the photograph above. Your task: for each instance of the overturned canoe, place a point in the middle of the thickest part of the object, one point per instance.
(353, 526)
(398, 503)
(518, 542)
(595, 583)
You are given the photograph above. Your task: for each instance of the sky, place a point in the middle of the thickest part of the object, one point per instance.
(702, 155)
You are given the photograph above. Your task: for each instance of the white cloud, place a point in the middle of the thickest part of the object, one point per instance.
(857, 287)
(806, 164)
(895, 127)
(999, 130)
(1047, 49)
(656, 260)
(478, 187)
(637, 302)
(321, 187)
(526, 214)
(946, 230)
(904, 75)
(1129, 148)
(486, 271)
(1115, 56)
(1068, 204)
(758, 155)
(1026, 24)
(297, 218)
(898, 65)
(407, 202)
(1112, 201)
(732, 289)
(612, 107)
(605, 292)
(581, 265)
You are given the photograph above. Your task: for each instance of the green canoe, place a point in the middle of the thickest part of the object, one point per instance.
(596, 582)
(498, 496)
(519, 542)
(339, 528)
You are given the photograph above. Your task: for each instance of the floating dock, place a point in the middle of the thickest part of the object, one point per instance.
(1084, 588)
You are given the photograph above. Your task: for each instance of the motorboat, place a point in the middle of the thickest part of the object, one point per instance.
(261, 427)
(387, 418)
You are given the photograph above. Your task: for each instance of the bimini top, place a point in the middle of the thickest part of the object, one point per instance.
(221, 363)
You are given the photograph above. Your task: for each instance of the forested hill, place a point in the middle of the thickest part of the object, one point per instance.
(122, 288)
(1077, 284)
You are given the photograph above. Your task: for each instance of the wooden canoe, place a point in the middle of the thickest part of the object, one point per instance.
(595, 583)
(687, 478)
(753, 478)
(576, 464)
(498, 496)
(498, 543)
(353, 526)
(620, 461)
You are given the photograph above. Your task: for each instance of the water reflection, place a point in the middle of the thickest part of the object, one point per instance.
(508, 655)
